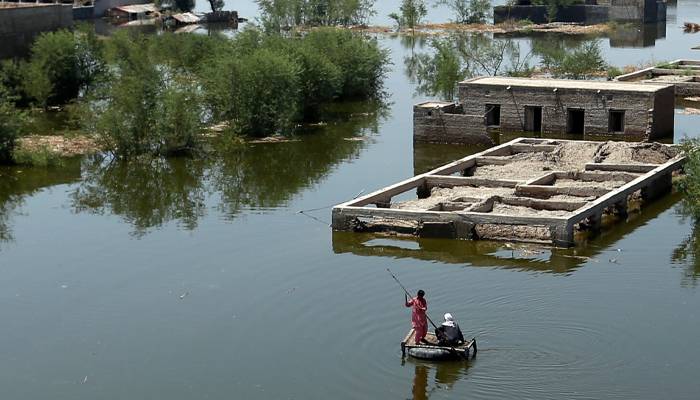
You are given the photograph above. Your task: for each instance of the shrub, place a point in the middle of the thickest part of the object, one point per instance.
(11, 122)
(146, 108)
(12, 79)
(690, 184)
(362, 62)
(62, 65)
(186, 52)
(613, 72)
(258, 94)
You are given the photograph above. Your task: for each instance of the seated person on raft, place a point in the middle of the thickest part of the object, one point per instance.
(448, 333)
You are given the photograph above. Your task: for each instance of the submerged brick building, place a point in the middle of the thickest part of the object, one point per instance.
(491, 105)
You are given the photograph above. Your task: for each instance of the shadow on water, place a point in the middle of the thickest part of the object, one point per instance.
(148, 193)
(17, 183)
(444, 376)
(526, 257)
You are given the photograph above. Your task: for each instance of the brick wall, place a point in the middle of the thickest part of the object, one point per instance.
(555, 104)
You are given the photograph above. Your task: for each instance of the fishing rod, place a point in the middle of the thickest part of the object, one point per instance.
(409, 295)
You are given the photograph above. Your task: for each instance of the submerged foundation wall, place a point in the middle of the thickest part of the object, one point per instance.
(532, 190)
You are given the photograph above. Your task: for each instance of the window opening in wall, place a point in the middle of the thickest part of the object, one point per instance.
(616, 121)
(575, 118)
(493, 115)
(533, 119)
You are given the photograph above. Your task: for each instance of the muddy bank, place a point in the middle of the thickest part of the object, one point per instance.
(64, 146)
(440, 29)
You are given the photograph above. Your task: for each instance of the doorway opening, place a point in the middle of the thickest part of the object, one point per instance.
(575, 121)
(493, 115)
(533, 119)
(616, 121)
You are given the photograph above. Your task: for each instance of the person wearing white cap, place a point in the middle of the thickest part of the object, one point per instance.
(448, 333)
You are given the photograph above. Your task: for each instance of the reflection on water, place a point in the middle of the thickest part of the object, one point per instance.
(145, 192)
(637, 35)
(445, 375)
(18, 183)
(687, 253)
(479, 253)
(148, 193)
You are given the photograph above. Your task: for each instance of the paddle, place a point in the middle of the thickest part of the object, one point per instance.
(452, 349)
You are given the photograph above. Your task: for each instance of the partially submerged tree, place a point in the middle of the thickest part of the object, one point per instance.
(468, 11)
(411, 13)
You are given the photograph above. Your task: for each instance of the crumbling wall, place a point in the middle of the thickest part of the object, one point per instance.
(448, 125)
(663, 117)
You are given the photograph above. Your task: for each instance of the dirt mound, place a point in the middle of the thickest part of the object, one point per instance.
(634, 153)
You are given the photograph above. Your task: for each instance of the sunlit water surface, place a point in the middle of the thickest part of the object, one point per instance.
(188, 279)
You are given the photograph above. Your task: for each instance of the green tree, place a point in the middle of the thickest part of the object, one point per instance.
(438, 73)
(257, 94)
(11, 122)
(468, 11)
(571, 60)
(411, 13)
(63, 65)
(146, 107)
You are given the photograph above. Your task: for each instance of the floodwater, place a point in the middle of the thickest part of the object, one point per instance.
(182, 279)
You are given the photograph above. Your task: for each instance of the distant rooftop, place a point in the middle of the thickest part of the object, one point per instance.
(565, 84)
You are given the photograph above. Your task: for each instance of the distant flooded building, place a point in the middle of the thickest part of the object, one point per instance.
(587, 12)
(683, 74)
(491, 105)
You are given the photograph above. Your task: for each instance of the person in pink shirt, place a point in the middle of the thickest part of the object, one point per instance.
(419, 320)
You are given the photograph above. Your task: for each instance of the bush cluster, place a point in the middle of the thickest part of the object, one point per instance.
(154, 94)
(690, 184)
(63, 66)
(268, 84)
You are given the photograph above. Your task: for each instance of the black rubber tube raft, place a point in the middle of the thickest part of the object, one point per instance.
(435, 352)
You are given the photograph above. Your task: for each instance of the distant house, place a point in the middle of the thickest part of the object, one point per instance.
(489, 105)
(133, 12)
(586, 12)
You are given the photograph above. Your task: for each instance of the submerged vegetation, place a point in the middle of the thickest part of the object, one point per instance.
(156, 94)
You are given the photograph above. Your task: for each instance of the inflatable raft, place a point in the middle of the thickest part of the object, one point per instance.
(433, 351)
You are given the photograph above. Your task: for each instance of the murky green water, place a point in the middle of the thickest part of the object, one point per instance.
(185, 279)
